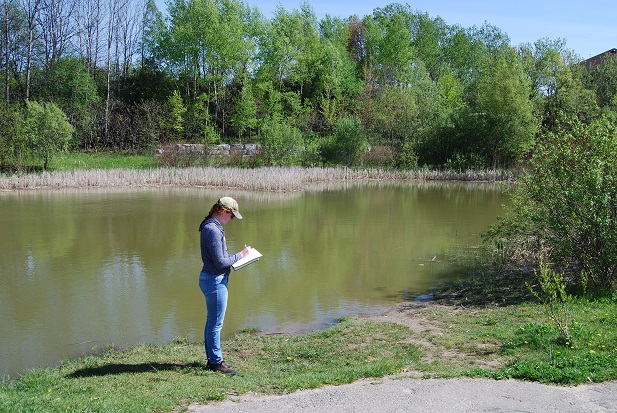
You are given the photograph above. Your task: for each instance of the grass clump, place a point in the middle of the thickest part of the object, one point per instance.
(522, 324)
(589, 353)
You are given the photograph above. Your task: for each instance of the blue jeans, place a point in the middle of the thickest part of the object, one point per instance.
(214, 288)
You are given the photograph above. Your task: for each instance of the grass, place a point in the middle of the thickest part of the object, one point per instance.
(522, 342)
(160, 378)
(101, 160)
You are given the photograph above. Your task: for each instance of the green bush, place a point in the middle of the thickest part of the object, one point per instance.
(350, 141)
(567, 203)
(281, 144)
(48, 130)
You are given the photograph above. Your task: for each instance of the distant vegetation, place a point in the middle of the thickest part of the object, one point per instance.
(120, 76)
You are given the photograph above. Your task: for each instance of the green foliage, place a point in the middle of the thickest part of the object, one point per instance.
(245, 117)
(281, 144)
(350, 141)
(601, 80)
(462, 97)
(551, 292)
(394, 115)
(392, 38)
(566, 203)
(506, 124)
(39, 130)
(175, 115)
(68, 84)
(48, 130)
(198, 124)
(407, 158)
(147, 120)
(14, 145)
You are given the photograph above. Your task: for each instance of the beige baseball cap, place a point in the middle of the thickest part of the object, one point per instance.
(231, 204)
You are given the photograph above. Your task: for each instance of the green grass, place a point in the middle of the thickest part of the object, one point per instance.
(160, 378)
(511, 341)
(101, 160)
(522, 342)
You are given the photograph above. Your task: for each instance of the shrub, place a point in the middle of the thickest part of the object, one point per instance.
(350, 141)
(281, 144)
(49, 130)
(407, 158)
(567, 202)
(378, 156)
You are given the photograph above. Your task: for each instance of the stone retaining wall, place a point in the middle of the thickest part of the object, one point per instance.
(236, 149)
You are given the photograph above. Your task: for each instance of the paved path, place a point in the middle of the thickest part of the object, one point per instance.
(409, 395)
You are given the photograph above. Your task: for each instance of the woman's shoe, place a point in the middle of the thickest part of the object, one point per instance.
(221, 367)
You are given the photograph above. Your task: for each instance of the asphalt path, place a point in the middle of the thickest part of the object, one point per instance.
(406, 394)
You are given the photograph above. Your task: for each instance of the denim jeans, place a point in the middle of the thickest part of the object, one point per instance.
(214, 288)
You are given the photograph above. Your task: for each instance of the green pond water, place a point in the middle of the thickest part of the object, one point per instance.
(83, 269)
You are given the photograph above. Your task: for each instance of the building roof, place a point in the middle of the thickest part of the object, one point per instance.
(596, 60)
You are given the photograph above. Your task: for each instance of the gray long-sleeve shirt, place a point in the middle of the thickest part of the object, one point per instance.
(214, 253)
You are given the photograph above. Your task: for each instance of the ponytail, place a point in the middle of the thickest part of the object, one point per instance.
(215, 208)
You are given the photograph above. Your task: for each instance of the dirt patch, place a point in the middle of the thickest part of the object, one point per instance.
(427, 334)
(409, 315)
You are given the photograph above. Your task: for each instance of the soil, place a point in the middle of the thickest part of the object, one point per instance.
(412, 316)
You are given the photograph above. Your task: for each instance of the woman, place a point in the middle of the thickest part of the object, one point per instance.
(214, 277)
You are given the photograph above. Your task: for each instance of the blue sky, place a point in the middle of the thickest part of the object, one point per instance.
(589, 27)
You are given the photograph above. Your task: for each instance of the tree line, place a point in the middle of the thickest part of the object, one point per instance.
(396, 88)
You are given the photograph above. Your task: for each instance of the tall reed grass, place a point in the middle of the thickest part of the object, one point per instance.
(259, 179)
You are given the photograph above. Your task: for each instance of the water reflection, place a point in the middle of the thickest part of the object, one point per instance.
(83, 269)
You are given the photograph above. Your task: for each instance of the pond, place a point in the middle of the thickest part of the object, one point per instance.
(84, 269)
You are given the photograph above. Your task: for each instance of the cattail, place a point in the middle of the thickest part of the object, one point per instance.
(266, 179)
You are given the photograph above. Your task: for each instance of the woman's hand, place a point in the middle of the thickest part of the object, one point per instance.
(245, 251)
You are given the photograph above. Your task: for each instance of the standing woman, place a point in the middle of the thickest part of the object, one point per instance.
(215, 275)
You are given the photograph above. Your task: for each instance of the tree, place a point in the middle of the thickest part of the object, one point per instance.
(601, 80)
(68, 84)
(336, 82)
(57, 26)
(90, 16)
(14, 144)
(15, 50)
(464, 54)
(198, 125)
(48, 130)
(245, 116)
(507, 124)
(556, 81)
(31, 11)
(428, 36)
(392, 47)
(288, 49)
(175, 118)
(152, 35)
(393, 115)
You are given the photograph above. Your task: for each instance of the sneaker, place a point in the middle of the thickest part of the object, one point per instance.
(222, 367)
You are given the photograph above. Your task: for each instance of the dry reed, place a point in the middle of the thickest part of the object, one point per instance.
(258, 179)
